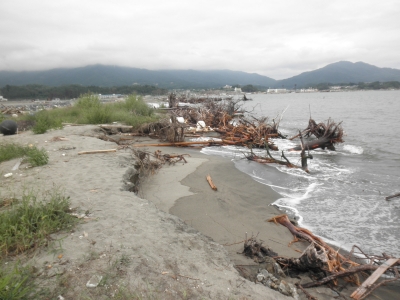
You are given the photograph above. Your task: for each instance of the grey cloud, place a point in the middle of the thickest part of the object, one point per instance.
(278, 40)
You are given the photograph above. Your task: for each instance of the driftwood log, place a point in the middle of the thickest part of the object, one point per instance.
(97, 151)
(211, 183)
(327, 135)
(392, 196)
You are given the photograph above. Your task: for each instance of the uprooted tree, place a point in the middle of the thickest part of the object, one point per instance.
(327, 135)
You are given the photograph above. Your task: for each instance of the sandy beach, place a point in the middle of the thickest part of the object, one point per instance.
(170, 235)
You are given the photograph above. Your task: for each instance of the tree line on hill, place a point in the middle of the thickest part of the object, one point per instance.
(35, 91)
(376, 85)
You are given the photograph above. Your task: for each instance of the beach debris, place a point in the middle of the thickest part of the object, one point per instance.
(327, 135)
(147, 164)
(58, 139)
(64, 148)
(94, 281)
(210, 182)
(8, 127)
(114, 129)
(322, 259)
(97, 151)
(392, 196)
(280, 285)
(8, 175)
(304, 156)
(173, 101)
(260, 254)
(269, 159)
(18, 163)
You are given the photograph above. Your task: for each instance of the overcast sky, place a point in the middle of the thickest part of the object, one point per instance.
(278, 39)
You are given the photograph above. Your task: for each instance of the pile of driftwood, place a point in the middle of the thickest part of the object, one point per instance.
(326, 265)
(10, 110)
(326, 135)
(227, 121)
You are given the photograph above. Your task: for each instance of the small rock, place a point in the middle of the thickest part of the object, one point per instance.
(8, 175)
(260, 277)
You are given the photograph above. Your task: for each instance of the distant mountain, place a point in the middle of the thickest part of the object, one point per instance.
(106, 76)
(101, 75)
(341, 72)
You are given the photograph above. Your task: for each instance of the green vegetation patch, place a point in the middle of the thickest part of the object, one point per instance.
(16, 283)
(33, 155)
(27, 224)
(89, 110)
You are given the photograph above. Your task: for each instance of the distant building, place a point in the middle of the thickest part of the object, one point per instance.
(309, 90)
(109, 97)
(276, 91)
(239, 90)
(227, 87)
(3, 99)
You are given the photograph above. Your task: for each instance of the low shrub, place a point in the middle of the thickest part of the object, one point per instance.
(28, 223)
(45, 121)
(89, 110)
(33, 155)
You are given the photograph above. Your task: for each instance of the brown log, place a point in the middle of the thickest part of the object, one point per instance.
(210, 182)
(177, 144)
(393, 196)
(97, 151)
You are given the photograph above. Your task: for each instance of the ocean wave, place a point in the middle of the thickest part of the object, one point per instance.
(353, 149)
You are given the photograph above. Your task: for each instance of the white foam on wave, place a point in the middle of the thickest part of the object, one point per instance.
(353, 149)
(205, 139)
(292, 199)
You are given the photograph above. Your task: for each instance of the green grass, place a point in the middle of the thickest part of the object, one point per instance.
(27, 224)
(89, 110)
(16, 283)
(33, 155)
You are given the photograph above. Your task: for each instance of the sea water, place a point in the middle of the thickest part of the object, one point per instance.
(342, 199)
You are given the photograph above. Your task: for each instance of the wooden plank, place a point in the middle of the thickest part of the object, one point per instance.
(97, 151)
(362, 289)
